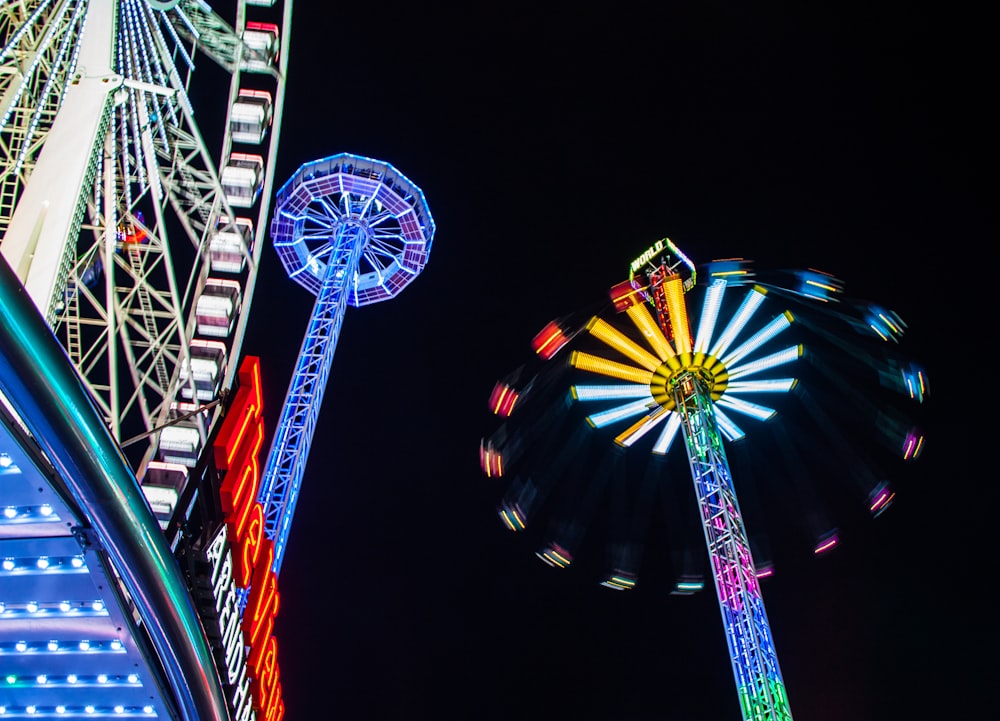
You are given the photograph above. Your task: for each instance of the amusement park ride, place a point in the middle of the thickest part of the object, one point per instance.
(131, 248)
(354, 231)
(669, 384)
(134, 510)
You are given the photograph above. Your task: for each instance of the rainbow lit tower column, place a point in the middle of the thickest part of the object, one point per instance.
(755, 663)
(353, 231)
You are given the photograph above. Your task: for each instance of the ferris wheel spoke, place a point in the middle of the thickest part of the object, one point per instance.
(155, 69)
(198, 24)
(190, 183)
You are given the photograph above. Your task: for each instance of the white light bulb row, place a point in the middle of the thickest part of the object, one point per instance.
(44, 564)
(72, 679)
(54, 646)
(117, 711)
(41, 513)
(53, 608)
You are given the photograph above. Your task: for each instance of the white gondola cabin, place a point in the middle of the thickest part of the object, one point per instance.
(250, 116)
(242, 179)
(260, 47)
(230, 245)
(182, 442)
(217, 307)
(201, 380)
(162, 485)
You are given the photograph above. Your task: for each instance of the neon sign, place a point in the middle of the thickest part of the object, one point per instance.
(227, 617)
(237, 455)
(656, 249)
(647, 255)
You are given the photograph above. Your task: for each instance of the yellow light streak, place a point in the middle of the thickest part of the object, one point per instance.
(638, 429)
(824, 286)
(643, 320)
(673, 291)
(561, 559)
(603, 366)
(604, 331)
(500, 401)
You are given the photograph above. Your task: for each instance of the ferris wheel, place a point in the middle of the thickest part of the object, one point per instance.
(136, 231)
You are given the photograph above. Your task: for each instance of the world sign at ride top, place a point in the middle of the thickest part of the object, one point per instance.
(237, 457)
(651, 256)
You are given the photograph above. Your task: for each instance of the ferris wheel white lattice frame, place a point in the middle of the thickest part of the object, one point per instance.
(137, 241)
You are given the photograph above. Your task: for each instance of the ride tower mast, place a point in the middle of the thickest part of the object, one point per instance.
(354, 231)
(661, 276)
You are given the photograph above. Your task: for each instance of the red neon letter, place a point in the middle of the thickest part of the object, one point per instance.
(262, 606)
(247, 546)
(266, 687)
(246, 405)
(239, 487)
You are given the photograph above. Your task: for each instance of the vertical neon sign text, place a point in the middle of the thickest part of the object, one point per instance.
(237, 455)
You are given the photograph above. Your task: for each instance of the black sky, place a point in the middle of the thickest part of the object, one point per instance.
(553, 145)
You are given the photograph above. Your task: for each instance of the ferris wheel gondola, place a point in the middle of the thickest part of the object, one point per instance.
(136, 236)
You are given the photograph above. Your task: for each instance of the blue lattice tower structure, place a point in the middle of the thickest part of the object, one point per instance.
(354, 231)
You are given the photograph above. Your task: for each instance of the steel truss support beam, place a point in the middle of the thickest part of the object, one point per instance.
(755, 663)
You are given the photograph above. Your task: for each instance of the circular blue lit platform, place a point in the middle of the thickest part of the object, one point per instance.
(344, 202)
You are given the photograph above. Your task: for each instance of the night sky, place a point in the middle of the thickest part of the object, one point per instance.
(553, 146)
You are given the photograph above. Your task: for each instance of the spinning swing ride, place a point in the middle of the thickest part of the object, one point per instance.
(667, 388)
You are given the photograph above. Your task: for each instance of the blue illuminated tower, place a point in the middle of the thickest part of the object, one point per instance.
(354, 231)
